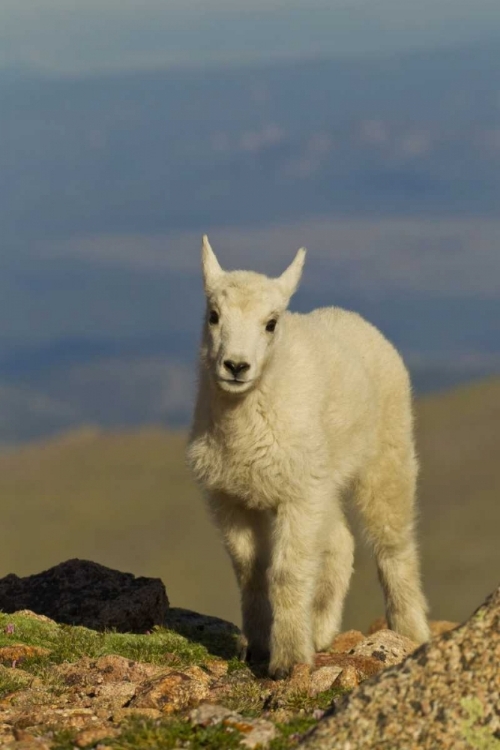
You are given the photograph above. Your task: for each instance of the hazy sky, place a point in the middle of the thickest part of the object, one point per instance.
(386, 169)
(65, 36)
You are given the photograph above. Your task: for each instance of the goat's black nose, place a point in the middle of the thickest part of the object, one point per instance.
(236, 367)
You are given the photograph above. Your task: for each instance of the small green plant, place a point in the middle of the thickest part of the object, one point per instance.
(62, 739)
(300, 700)
(246, 698)
(10, 682)
(236, 665)
(292, 732)
(147, 734)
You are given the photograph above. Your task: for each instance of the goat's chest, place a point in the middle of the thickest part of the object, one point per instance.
(252, 464)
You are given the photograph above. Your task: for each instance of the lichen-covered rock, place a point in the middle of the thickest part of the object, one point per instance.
(217, 667)
(261, 733)
(348, 679)
(79, 592)
(123, 714)
(446, 694)
(173, 690)
(209, 714)
(323, 678)
(386, 646)
(344, 642)
(113, 668)
(64, 717)
(365, 666)
(87, 674)
(113, 695)
(91, 735)
(437, 627)
(29, 743)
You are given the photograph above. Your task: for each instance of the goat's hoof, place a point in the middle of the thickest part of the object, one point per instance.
(257, 655)
(280, 674)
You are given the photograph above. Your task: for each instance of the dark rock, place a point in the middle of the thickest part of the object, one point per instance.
(220, 637)
(79, 592)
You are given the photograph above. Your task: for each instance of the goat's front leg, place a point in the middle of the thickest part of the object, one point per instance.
(292, 580)
(246, 537)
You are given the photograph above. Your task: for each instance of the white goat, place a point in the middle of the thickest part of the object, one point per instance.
(292, 412)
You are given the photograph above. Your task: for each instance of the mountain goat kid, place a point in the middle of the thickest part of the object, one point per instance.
(294, 412)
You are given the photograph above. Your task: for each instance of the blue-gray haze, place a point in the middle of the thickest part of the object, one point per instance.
(380, 154)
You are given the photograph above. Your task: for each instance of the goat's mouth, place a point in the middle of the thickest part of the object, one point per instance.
(233, 384)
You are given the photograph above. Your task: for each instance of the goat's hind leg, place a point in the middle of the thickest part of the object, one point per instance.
(385, 495)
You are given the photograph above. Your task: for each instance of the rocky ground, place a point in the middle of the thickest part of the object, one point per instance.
(180, 685)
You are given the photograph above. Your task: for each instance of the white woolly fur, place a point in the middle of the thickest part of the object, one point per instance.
(295, 413)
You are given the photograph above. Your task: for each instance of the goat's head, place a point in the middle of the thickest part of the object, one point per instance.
(242, 325)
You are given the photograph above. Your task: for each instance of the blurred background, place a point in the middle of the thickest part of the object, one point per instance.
(368, 132)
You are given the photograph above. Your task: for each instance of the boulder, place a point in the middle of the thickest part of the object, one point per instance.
(79, 592)
(174, 690)
(344, 642)
(437, 627)
(445, 694)
(386, 646)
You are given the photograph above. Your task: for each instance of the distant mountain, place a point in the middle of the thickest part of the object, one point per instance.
(129, 383)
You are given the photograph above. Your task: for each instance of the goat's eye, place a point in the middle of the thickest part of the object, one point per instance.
(213, 318)
(271, 325)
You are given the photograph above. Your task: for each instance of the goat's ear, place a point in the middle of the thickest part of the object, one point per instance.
(289, 279)
(211, 267)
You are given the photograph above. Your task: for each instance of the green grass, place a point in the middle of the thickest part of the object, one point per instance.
(62, 739)
(10, 681)
(300, 702)
(292, 732)
(247, 698)
(146, 734)
(165, 734)
(70, 643)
